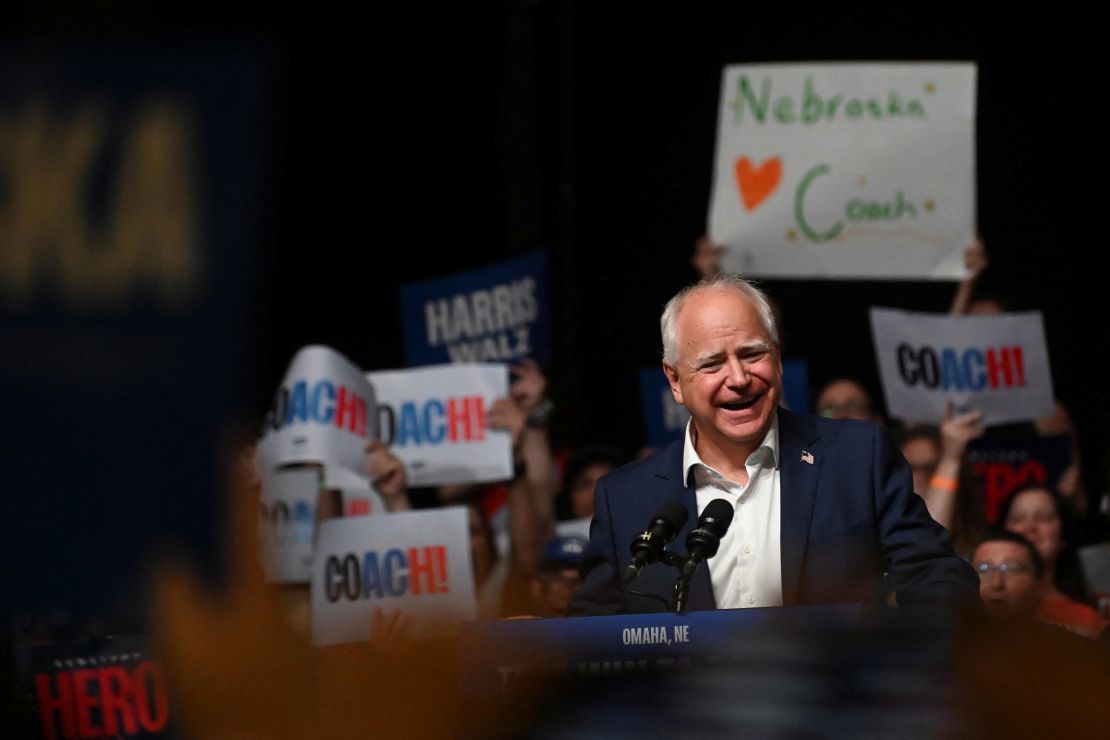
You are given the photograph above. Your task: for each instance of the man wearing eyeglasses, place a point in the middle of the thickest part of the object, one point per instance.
(1010, 575)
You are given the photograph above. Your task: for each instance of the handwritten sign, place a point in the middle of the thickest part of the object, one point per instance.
(434, 419)
(845, 170)
(997, 365)
(323, 412)
(415, 562)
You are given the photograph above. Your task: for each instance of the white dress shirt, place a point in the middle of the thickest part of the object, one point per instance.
(747, 569)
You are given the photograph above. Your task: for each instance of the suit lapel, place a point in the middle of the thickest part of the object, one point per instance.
(799, 468)
(670, 470)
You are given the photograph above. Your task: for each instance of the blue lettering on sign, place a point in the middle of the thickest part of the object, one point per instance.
(950, 370)
(298, 404)
(324, 391)
(971, 369)
(396, 573)
(371, 580)
(438, 421)
(975, 370)
(434, 430)
(408, 430)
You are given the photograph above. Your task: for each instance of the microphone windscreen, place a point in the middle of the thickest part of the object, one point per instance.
(716, 517)
(673, 514)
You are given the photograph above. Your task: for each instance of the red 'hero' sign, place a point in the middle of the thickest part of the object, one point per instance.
(102, 700)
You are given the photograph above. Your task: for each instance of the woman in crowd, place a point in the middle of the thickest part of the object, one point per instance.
(1041, 516)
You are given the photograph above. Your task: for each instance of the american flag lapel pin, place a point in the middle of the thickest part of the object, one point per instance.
(807, 457)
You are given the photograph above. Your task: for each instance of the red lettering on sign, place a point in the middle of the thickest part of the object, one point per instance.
(84, 703)
(1001, 362)
(115, 693)
(151, 701)
(458, 416)
(999, 480)
(128, 702)
(62, 704)
(350, 411)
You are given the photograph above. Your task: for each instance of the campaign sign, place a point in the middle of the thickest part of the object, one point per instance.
(416, 562)
(359, 496)
(1001, 466)
(997, 365)
(494, 314)
(286, 523)
(434, 419)
(106, 687)
(133, 201)
(323, 412)
(664, 418)
(845, 170)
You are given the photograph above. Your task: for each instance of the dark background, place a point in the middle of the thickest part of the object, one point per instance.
(403, 143)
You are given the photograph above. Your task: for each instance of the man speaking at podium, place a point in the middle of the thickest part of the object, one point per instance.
(825, 511)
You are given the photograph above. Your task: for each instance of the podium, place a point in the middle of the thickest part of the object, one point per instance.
(492, 653)
(828, 671)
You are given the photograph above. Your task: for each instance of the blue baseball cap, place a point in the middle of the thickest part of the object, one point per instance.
(565, 551)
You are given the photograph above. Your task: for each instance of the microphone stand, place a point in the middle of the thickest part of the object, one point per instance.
(681, 593)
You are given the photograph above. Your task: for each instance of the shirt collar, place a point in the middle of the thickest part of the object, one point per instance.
(690, 457)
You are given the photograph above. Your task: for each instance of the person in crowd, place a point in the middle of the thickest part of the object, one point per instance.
(941, 477)
(1040, 515)
(706, 259)
(972, 300)
(827, 506)
(557, 575)
(845, 398)
(524, 414)
(1011, 575)
(387, 474)
(585, 466)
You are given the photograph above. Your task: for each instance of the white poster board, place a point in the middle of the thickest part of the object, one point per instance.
(359, 496)
(997, 365)
(851, 170)
(434, 419)
(287, 516)
(416, 562)
(323, 412)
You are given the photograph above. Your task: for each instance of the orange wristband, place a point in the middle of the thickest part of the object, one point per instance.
(945, 484)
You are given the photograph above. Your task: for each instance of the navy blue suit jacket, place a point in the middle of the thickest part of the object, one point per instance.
(847, 518)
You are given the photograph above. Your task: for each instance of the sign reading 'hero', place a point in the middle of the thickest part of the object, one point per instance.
(852, 170)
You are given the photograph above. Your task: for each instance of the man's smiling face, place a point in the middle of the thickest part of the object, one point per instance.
(727, 374)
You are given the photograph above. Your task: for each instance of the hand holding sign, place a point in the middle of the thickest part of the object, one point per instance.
(387, 474)
(957, 431)
(530, 385)
(507, 416)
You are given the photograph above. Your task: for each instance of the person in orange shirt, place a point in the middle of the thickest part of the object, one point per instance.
(1039, 514)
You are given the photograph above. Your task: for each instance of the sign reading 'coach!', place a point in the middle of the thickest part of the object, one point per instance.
(495, 314)
(997, 365)
(415, 562)
(324, 412)
(434, 419)
(853, 170)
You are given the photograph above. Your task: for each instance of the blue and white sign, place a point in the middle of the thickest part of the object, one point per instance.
(434, 420)
(494, 314)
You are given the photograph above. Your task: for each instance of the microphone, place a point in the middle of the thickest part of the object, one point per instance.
(703, 541)
(647, 547)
